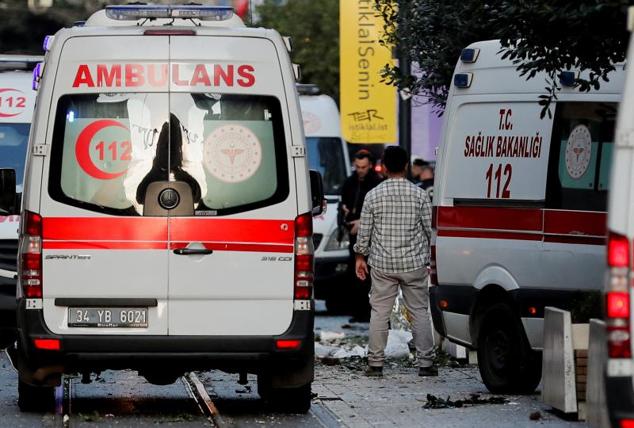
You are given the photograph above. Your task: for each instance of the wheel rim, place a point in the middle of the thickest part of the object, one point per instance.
(499, 348)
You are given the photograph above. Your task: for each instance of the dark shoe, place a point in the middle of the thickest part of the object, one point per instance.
(372, 371)
(427, 371)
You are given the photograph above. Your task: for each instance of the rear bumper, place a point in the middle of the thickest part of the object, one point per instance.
(182, 353)
(619, 397)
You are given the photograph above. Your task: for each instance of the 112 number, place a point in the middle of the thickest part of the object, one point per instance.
(496, 177)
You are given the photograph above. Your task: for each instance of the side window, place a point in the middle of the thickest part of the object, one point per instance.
(580, 156)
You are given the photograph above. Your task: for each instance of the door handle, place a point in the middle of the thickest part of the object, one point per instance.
(192, 251)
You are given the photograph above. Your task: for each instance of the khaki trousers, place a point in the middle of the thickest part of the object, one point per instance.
(383, 293)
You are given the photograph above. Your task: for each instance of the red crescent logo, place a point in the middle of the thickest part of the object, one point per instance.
(20, 102)
(82, 149)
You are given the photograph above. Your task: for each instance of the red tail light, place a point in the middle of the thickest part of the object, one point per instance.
(618, 251)
(31, 255)
(617, 297)
(304, 257)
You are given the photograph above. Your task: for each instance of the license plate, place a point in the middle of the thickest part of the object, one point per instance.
(107, 317)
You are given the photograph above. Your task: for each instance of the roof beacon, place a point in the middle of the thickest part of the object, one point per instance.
(136, 12)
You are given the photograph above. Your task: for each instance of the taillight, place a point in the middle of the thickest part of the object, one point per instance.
(617, 297)
(31, 255)
(304, 257)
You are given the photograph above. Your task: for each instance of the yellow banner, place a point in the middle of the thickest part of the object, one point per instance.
(368, 107)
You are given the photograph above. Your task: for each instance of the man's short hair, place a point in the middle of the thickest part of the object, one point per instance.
(364, 154)
(420, 162)
(395, 159)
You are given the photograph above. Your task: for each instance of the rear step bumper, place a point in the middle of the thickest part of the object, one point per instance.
(619, 397)
(178, 352)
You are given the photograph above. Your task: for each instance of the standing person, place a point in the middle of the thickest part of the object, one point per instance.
(395, 232)
(417, 168)
(353, 192)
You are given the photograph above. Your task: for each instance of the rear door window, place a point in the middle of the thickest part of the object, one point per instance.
(325, 154)
(234, 147)
(105, 149)
(580, 156)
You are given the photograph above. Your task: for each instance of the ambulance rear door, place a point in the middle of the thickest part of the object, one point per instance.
(105, 261)
(231, 256)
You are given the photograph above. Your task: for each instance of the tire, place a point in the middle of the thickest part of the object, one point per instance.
(33, 398)
(285, 400)
(507, 363)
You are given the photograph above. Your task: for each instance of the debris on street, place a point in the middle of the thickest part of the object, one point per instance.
(434, 402)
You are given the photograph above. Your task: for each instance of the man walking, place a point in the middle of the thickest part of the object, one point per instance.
(353, 192)
(394, 232)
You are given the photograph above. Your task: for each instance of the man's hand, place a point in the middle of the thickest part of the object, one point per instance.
(361, 267)
(354, 226)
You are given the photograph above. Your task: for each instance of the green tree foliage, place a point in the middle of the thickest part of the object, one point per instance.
(537, 35)
(314, 29)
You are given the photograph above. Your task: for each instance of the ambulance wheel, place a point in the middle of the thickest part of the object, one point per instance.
(507, 363)
(33, 398)
(286, 400)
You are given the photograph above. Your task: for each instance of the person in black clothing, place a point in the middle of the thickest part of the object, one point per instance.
(353, 192)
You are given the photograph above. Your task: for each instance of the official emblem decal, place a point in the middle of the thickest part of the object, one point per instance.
(232, 153)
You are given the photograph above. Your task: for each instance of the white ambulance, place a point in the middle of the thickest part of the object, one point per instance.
(17, 99)
(519, 210)
(167, 212)
(619, 370)
(327, 154)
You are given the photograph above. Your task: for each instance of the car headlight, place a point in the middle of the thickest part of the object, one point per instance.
(335, 244)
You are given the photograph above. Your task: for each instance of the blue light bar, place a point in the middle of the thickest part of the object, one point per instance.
(469, 55)
(136, 12)
(48, 41)
(462, 80)
(37, 76)
(568, 78)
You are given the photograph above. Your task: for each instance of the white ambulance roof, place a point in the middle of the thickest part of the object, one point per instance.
(320, 115)
(493, 75)
(99, 19)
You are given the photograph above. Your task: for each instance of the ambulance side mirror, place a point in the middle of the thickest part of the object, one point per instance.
(317, 192)
(7, 192)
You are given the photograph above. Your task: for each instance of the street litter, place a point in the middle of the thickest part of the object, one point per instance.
(340, 346)
(434, 402)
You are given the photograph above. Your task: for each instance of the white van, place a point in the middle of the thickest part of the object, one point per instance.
(519, 211)
(166, 215)
(17, 99)
(327, 154)
(619, 369)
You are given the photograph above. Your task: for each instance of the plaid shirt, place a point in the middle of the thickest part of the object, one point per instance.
(395, 228)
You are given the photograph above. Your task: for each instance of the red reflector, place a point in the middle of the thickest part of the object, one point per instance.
(32, 292)
(169, 32)
(47, 344)
(443, 304)
(532, 310)
(627, 423)
(617, 304)
(618, 250)
(288, 344)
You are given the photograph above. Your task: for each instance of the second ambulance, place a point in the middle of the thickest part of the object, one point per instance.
(17, 99)
(167, 206)
(519, 210)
